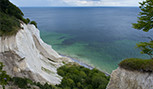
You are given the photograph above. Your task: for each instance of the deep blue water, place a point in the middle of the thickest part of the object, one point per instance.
(100, 36)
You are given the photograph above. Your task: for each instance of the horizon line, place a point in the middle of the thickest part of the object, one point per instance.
(73, 6)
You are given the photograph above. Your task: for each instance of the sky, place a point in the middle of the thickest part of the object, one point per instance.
(67, 3)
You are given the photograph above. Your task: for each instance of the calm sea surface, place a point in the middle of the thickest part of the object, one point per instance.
(100, 36)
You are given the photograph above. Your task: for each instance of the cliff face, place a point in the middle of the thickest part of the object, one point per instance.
(125, 79)
(26, 55)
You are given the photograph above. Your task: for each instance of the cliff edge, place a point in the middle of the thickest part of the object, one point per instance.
(26, 55)
(126, 79)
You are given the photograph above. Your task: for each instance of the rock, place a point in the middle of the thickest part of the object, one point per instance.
(125, 79)
(25, 54)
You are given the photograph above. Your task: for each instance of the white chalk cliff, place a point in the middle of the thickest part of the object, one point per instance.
(125, 79)
(26, 55)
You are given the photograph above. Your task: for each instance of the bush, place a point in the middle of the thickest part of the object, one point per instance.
(9, 15)
(10, 9)
(140, 65)
(9, 18)
(34, 23)
(24, 20)
(9, 25)
(21, 82)
(45, 86)
(28, 20)
(79, 77)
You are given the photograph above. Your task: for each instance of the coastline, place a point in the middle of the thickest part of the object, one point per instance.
(84, 64)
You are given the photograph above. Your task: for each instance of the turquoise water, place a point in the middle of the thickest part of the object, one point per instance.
(99, 36)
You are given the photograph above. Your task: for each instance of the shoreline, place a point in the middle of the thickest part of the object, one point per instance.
(84, 64)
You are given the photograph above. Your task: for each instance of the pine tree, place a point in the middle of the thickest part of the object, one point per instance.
(145, 23)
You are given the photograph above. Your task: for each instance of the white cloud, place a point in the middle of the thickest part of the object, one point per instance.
(76, 2)
(103, 2)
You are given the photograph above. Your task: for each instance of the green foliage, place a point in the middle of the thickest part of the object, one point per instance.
(24, 20)
(4, 78)
(145, 21)
(21, 82)
(45, 86)
(140, 65)
(9, 25)
(28, 20)
(9, 13)
(10, 18)
(10, 9)
(34, 23)
(146, 47)
(25, 83)
(74, 77)
(79, 77)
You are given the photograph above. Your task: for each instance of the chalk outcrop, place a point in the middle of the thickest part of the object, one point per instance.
(26, 55)
(125, 79)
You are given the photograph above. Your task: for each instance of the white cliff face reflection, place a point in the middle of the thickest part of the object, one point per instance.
(101, 37)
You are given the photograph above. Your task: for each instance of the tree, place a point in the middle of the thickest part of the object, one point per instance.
(145, 23)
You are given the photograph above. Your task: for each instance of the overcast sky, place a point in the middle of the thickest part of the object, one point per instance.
(43, 3)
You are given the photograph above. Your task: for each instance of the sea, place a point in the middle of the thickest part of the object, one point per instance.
(99, 36)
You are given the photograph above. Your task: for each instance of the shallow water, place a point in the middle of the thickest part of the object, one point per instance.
(100, 36)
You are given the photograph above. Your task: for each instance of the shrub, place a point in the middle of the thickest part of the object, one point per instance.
(79, 77)
(9, 25)
(9, 18)
(9, 15)
(34, 23)
(140, 65)
(28, 20)
(21, 82)
(45, 86)
(24, 20)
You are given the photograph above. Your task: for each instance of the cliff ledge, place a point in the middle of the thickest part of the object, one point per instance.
(125, 79)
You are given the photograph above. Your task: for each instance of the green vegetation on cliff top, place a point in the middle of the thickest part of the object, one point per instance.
(10, 18)
(140, 65)
(9, 15)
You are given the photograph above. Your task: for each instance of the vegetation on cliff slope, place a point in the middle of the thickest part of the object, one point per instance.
(9, 15)
(79, 77)
(74, 77)
(10, 18)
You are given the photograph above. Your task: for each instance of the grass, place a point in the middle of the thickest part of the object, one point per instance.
(136, 64)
